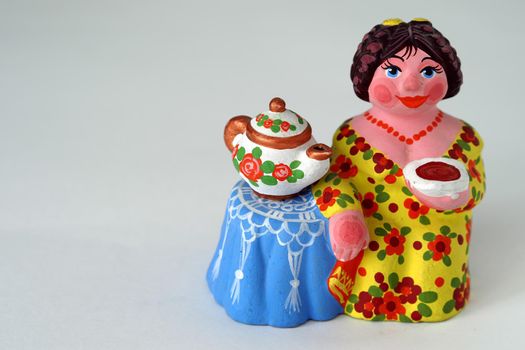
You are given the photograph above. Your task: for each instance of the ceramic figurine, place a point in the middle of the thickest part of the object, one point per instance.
(403, 181)
(385, 233)
(275, 152)
(273, 259)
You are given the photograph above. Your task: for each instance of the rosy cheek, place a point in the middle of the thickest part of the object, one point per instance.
(436, 92)
(382, 94)
(383, 90)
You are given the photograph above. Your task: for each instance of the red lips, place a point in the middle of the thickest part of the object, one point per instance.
(412, 101)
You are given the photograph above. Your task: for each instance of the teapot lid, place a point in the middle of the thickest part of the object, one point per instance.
(279, 121)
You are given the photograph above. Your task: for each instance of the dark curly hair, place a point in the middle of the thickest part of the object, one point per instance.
(384, 40)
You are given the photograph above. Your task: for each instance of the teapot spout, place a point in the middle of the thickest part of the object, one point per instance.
(236, 125)
(319, 151)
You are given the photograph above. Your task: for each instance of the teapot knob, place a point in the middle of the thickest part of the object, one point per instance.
(277, 105)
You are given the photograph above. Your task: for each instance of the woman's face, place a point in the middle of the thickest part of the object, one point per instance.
(408, 84)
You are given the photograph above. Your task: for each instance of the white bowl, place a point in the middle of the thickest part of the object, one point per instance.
(437, 188)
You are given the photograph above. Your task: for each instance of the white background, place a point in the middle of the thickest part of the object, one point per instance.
(114, 176)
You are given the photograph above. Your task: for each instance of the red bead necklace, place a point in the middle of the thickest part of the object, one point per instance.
(408, 140)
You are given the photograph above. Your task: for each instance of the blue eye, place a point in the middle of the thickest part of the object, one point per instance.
(392, 71)
(428, 72)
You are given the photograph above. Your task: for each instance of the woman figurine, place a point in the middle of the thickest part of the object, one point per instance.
(403, 180)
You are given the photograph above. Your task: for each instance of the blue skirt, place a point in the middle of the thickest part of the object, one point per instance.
(273, 260)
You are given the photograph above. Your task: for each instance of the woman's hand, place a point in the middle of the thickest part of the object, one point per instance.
(441, 203)
(348, 234)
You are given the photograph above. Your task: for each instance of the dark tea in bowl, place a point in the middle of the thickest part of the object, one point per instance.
(437, 177)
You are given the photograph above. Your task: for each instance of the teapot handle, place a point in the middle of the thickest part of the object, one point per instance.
(235, 126)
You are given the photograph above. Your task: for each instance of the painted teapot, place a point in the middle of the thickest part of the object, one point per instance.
(275, 152)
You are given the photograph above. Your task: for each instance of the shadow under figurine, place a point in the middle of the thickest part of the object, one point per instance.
(274, 258)
(385, 233)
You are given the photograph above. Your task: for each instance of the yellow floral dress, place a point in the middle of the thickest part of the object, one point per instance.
(416, 266)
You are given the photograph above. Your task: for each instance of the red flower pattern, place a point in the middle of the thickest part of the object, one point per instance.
(345, 131)
(384, 300)
(461, 295)
(285, 126)
(457, 153)
(408, 290)
(440, 246)
(327, 198)
(469, 136)
(268, 123)
(359, 146)
(415, 208)
(395, 242)
(391, 306)
(282, 172)
(369, 205)
(367, 304)
(343, 167)
(382, 163)
(251, 167)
